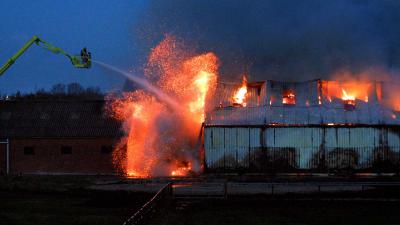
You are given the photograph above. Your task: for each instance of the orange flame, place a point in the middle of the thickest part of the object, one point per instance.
(288, 98)
(347, 90)
(181, 171)
(346, 96)
(139, 109)
(239, 97)
(161, 141)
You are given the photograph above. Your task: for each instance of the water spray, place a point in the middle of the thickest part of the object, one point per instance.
(142, 82)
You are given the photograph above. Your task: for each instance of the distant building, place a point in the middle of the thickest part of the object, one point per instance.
(57, 137)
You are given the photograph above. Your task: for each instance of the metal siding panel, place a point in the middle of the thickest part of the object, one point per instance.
(292, 137)
(343, 135)
(316, 137)
(393, 138)
(208, 148)
(254, 144)
(215, 152)
(355, 147)
(360, 137)
(255, 137)
(331, 138)
(263, 95)
(269, 139)
(230, 147)
(243, 144)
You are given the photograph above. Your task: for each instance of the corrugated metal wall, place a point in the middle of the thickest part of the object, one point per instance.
(301, 148)
(314, 115)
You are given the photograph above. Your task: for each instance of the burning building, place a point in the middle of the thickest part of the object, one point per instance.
(317, 125)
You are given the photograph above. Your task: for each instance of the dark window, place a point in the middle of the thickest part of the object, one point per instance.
(106, 149)
(66, 150)
(29, 150)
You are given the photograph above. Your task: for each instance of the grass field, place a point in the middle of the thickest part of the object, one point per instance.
(59, 200)
(254, 211)
(63, 200)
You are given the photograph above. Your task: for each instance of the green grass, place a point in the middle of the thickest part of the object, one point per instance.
(24, 208)
(59, 200)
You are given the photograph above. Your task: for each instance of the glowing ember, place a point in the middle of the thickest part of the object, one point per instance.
(182, 171)
(288, 98)
(161, 141)
(239, 97)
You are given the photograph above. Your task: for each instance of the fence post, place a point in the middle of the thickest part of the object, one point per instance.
(171, 189)
(226, 189)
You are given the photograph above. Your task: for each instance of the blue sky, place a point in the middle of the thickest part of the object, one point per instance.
(105, 27)
(269, 39)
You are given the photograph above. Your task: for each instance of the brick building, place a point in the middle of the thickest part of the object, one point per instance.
(57, 137)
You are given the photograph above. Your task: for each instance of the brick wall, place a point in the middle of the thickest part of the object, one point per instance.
(47, 156)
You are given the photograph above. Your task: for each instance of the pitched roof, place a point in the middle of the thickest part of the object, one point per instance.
(56, 118)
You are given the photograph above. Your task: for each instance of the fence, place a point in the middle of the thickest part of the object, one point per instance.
(146, 211)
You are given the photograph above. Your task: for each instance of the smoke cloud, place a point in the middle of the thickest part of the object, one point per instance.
(282, 40)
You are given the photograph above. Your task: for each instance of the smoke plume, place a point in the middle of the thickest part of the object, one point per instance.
(282, 40)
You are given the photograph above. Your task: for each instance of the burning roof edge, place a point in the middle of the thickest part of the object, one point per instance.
(313, 105)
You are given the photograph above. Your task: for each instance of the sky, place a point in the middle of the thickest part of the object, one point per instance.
(288, 40)
(267, 39)
(104, 27)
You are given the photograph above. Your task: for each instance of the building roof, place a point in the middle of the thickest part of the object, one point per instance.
(56, 118)
(314, 105)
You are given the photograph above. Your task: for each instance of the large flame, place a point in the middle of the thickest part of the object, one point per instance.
(163, 141)
(346, 96)
(141, 110)
(239, 97)
(347, 90)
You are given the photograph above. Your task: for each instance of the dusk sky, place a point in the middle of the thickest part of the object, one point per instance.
(282, 40)
(104, 27)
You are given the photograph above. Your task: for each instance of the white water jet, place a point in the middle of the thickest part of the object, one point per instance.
(142, 82)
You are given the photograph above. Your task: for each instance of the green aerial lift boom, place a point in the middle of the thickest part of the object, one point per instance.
(82, 61)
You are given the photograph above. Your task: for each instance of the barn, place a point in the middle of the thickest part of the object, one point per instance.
(56, 137)
(313, 126)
